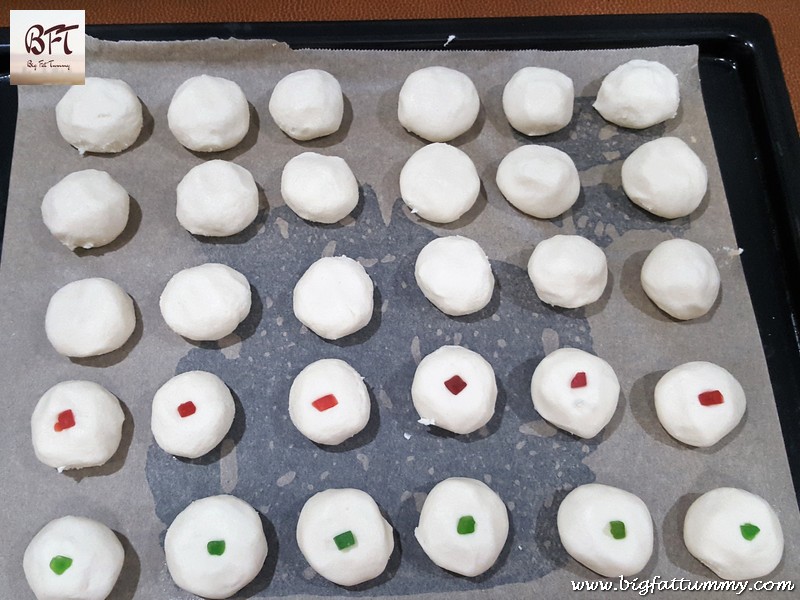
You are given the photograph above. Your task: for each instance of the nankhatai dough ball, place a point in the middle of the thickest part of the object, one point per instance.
(103, 115)
(438, 104)
(86, 209)
(439, 183)
(455, 275)
(215, 546)
(538, 101)
(699, 403)
(209, 114)
(89, 317)
(307, 104)
(455, 389)
(328, 402)
(333, 298)
(539, 180)
(681, 278)
(575, 391)
(76, 424)
(217, 198)
(344, 537)
(192, 413)
(734, 533)
(75, 558)
(568, 271)
(206, 302)
(638, 94)
(665, 177)
(463, 526)
(606, 529)
(319, 188)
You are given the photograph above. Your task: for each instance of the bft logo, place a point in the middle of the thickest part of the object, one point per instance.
(48, 47)
(35, 38)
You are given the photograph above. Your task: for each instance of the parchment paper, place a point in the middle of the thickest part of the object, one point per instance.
(265, 460)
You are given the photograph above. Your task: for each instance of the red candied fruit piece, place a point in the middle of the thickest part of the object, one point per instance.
(578, 381)
(327, 401)
(66, 419)
(711, 398)
(187, 409)
(455, 385)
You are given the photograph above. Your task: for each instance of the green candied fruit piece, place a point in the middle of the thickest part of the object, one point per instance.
(344, 540)
(749, 531)
(617, 529)
(59, 564)
(216, 547)
(466, 525)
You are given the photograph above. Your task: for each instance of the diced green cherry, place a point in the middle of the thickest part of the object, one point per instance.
(466, 525)
(617, 529)
(749, 531)
(59, 564)
(216, 547)
(344, 540)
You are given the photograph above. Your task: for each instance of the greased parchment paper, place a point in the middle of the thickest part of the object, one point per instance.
(265, 460)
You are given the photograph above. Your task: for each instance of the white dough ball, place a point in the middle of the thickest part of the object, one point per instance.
(206, 302)
(89, 317)
(665, 177)
(575, 391)
(455, 275)
(307, 104)
(103, 115)
(734, 533)
(208, 114)
(438, 104)
(217, 198)
(76, 424)
(344, 537)
(439, 183)
(538, 101)
(319, 188)
(455, 389)
(638, 94)
(328, 402)
(75, 558)
(86, 209)
(333, 298)
(606, 529)
(215, 546)
(191, 414)
(681, 278)
(463, 526)
(568, 271)
(539, 180)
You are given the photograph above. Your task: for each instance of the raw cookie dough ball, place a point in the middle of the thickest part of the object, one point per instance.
(76, 424)
(328, 402)
(319, 188)
(73, 557)
(103, 115)
(89, 317)
(455, 389)
(208, 114)
(576, 391)
(206, 302)
(681, 278)
(606, 529)
(734, 533)
(215, 546)
(86, 209)
(344, 537)
(699, 403)
(439, 183)
(568, 271)
(463, 526)
(333, 298)
(307, 104)
(665, 177)
(192, 413)
(539, 180)
(638, 94)
(217, 198)
(455, 275)
(538, 101)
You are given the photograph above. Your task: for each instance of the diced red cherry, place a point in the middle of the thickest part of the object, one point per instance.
(187, 409)
(325, 402)
(578, 381)
(65, 420)
(455, 385)
(711, 398)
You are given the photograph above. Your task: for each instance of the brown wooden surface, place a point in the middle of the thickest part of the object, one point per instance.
(784, 15)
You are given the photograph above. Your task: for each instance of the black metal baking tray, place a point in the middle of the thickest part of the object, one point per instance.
(746, 100)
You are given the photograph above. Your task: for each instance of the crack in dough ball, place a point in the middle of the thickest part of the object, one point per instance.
(103, 115)
(208, 114)
(319, 188)
(538, 101)
(307, 104)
